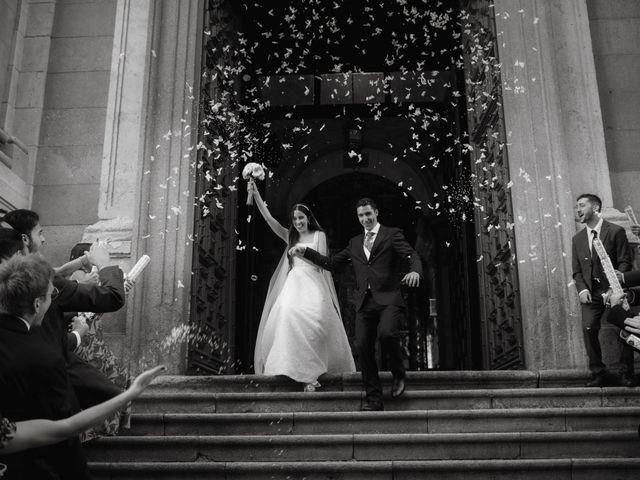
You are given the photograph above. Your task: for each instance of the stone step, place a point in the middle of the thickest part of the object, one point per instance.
(196, 402)
(366, 447)
(430, 380)
(419, 421)
(574, 469)
(560, 469)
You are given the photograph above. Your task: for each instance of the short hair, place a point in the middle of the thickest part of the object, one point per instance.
(24, 221)
(592, 198)
(23, 278)
(10, 243)
(79, 249)
(363, 202)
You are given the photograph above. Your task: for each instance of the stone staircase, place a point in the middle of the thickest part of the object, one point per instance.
(448, 425)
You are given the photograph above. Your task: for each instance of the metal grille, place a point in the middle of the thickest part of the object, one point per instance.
(497, 266)
(211, 348)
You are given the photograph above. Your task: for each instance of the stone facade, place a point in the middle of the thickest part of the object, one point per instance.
(615, 33)
(102, 94)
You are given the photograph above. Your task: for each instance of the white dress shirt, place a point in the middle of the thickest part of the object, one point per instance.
(28, 325)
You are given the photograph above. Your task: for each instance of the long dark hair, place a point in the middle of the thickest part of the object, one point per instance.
(294, 235)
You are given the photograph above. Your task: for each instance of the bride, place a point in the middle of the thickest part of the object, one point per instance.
(301, 334)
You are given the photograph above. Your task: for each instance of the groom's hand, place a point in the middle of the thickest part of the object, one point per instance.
(411, 279)
(297, 250)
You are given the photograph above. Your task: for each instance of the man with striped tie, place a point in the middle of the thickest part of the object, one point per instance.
(592, 283)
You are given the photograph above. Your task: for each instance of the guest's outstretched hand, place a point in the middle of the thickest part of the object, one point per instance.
(143, 380)
(411, 279)
(128, 285)
(91, 278)
(98, 255)
(614, 298)
(633, 324)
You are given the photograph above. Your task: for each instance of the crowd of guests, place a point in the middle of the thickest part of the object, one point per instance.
(49, 394)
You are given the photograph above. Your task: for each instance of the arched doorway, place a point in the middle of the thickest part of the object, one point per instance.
(443, 325)
(310, 138)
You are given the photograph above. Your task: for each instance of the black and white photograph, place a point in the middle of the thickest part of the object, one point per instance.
(319, 239)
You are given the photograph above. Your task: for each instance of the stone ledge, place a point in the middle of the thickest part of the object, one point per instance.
(430, 380)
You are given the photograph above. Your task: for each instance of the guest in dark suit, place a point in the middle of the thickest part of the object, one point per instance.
(591, 282)
(377, 256)
(33, 372)
(91, 386)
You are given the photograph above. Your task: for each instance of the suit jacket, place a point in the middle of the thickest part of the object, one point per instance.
(34, 381)
(381, 271)
(80, 297)
(614, 239)
(34, 384)
(90, 386)
(631, 279)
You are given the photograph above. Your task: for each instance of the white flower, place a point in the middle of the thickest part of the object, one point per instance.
(253, 170)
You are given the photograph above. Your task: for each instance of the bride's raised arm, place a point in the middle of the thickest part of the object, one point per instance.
(278, 229)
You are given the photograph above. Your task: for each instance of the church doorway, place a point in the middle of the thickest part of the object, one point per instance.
(421, 127)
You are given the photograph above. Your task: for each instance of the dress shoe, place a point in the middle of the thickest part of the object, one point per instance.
(311, 387)
(398, 387)
(372, 407)
(598, 380)
(627, 380)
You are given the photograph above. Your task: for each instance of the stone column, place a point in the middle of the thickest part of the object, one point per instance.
(163, 219)
(556, 151)
(145, 205)
(124, 126)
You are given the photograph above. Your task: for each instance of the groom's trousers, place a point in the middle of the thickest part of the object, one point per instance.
(374, 321)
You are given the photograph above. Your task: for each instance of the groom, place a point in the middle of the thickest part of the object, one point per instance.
(377, 256)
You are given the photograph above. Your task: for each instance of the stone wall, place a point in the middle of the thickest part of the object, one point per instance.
(8, 27)
(17, 37)
(615, 33)
(68, 165)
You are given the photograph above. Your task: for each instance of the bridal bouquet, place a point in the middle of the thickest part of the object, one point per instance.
(252, 171)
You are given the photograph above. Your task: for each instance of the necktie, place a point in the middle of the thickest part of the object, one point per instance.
(368, 241)
(595, 271)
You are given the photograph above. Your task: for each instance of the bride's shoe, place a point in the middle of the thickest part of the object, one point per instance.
(311, 387)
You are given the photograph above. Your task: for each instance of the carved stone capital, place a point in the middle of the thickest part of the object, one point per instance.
(117, 232)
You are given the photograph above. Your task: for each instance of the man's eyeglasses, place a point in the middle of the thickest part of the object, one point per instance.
(54, 294)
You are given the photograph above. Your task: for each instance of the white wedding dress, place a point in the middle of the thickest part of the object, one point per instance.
(301, 334)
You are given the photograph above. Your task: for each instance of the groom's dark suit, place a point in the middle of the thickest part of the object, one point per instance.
(588, 274)
(378, 299)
